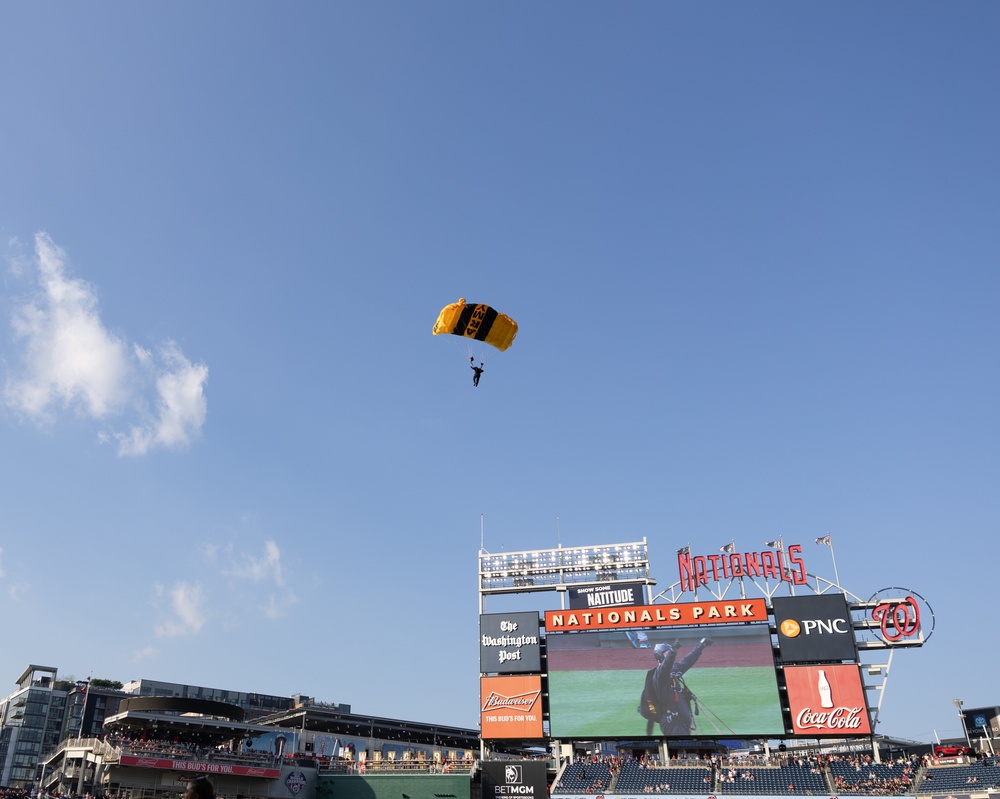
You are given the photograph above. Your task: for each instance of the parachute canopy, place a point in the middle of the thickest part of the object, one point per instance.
(479, 322)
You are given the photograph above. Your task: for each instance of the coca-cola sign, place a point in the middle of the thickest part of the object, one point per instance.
(827, 700)
(840, 718)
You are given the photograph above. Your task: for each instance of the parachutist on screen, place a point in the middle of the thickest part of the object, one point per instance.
(665, 698)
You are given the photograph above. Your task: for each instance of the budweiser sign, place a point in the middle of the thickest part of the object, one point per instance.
(511, 707)
(202, 766)
(523, 701)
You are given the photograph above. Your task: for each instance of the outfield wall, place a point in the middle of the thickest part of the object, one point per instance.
(394, 786)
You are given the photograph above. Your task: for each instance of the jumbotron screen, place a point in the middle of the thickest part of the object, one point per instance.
(623, 684)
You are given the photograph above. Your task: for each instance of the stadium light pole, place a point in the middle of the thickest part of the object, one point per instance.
(961, 714)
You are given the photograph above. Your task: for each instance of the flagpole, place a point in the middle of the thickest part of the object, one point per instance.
(779, 545)
(729, 549)
(743, 588)
(836, 574)
(827, 540)
(83, 710)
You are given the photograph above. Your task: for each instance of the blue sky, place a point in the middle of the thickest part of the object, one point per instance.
(753, 253)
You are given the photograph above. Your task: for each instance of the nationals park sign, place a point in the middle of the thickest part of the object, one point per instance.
(682, 614)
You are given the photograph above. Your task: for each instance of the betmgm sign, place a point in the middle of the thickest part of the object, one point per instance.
(516, 779)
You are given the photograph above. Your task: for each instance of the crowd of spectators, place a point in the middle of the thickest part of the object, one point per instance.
(588, 775)
(189, 750)
(777, 774)
(25, 793)
(860, 774)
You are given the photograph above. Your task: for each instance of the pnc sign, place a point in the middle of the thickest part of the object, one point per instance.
(814, 628)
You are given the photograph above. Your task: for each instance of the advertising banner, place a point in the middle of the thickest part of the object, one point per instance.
(524, 779)
(279, 743)
(982, 722)
(814, 628)
(681, 614)
(827, 700)
(200, 766)
(509, 643)
(511, 707)
(716, 682)
(606, 596)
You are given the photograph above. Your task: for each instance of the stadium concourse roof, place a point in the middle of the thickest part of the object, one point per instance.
(165, 717)
(328, 719)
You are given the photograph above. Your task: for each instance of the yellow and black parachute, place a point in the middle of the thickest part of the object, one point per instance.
(475, 321)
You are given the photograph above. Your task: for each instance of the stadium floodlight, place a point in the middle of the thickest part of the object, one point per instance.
(554, 569)
(961, 714)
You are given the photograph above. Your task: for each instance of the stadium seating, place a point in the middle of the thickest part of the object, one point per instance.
(847, 777)
(584, 777)
(974, 778)
(635, 778)
(788, 780)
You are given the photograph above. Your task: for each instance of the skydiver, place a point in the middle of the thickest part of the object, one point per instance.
(665, 697)
(476, 370)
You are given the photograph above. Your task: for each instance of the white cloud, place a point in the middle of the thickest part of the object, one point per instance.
(181, 407)
(145, 653)
(268, 566)
(264, 569)
(17, 590)
(210, 550)
(277, 606)
(187, 611)
(253, 589)
(72, 362)
(71, 359)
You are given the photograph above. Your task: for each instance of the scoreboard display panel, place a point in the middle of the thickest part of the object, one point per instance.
(714, 682)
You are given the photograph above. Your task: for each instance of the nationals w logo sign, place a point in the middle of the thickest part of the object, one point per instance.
(901, 616)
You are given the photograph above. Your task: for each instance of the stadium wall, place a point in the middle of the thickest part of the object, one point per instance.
(392, 786)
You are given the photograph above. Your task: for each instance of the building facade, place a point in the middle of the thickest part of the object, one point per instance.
(32, 721)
